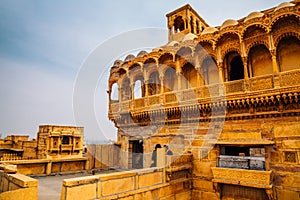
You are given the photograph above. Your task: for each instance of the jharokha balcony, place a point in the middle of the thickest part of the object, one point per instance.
(267, 89)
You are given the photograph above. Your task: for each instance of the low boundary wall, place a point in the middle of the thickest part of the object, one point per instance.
(18, 186)
(40, 167)
(136, 184)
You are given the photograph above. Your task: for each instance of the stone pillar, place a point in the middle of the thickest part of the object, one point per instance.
(274, 62)
(275, 69)
(245, 63)
(161, 158)
(48, 168)
(220, 70)
(161, 77)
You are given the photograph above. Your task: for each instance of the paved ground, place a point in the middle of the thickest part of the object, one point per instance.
(50, 186)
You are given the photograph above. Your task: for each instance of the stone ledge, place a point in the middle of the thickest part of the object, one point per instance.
(80, 181)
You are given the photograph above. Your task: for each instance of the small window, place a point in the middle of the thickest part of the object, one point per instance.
(290, 157)
(65, 140)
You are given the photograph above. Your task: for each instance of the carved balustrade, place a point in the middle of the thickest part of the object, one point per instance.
(234, 86)
(289, 78)
(115, 107)
(139, 103)
(251, 178)
(261, 82)
(154, 99)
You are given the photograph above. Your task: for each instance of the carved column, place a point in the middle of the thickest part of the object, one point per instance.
(161, 77)
(245, 63)
(275, 69)
(221, 78)
(178, 73)
(146, 82)
(246, 74)
(220, 70)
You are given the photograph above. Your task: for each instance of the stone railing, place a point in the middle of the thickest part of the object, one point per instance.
(242, 162)
(289, 78)
(234, 86)
(115, 107)
(139, 103)
(250, 178)
(17, 186)
(113, 185)
(259, 83)
(155, 99)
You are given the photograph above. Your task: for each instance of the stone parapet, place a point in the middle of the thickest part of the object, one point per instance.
(142, 183)
(19, 186)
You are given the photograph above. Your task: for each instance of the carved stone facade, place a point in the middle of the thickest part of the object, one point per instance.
(55, 142)
(221, 93)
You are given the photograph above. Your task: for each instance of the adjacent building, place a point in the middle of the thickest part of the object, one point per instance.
(229, 95)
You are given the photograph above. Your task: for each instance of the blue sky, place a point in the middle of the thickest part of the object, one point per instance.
(44, 44)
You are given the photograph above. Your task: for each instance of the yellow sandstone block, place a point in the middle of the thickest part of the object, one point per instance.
(82, 192)
(150, 179)
(117, 186)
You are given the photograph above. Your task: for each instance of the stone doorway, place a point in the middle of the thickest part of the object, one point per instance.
(135, 154)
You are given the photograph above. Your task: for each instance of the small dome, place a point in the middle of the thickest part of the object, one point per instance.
(173, 43)
(189, 36)
(283, 5)
(209, 30)
(118, 62)
(142, 53)
(253, 15)
(229, 22)
(130, 57)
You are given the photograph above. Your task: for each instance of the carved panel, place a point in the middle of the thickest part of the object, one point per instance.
(261, 83)
(234, 86)
(290, 156)
(290, 78)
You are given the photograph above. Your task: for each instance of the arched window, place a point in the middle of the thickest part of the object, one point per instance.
(137, 92)
(189, 78)
(114, 92)
(234, 66)
(178, 24)
(260, 61)
(154, 83)
(126, 90)
(209, 71)
(288, 51)
(170, 80)
(192, 25)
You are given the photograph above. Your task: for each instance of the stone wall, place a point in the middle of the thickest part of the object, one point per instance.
(49, 167)
(18, 186)
(136, 184)
(103, 156)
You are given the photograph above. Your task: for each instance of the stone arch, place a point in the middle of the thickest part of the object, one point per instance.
(283, 19)
(259, 60)
(283, 25)
(125, 88)
(179, 24)
(153, 83)
(170, 79)
(228, 42)
(189, 76)
(209, 70)
(166, 59)
(288, 51)
(184, 52)
(254, 29)
(139, 87)
(114, 92)
(233, 65)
